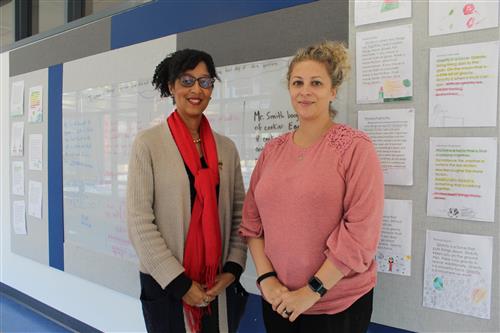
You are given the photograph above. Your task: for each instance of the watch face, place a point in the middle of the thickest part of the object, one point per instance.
(315, 284)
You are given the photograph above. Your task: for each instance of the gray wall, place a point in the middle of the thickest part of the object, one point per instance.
(74, 44)
(270, 35)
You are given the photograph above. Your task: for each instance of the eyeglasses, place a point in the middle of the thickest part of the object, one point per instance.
(205, 82)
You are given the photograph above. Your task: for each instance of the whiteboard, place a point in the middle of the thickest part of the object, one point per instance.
(104, 111)
(251, 105)
(107, 99)
(99, 125)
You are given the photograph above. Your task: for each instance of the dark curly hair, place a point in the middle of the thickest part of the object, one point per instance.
(177, 63)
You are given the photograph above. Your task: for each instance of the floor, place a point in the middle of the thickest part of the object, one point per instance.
(15, 317)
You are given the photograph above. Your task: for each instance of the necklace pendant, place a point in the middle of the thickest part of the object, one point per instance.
(197, 140)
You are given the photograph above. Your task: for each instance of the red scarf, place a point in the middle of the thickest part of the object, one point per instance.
(202, 252)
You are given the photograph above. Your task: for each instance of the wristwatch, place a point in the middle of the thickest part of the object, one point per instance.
(317, 286)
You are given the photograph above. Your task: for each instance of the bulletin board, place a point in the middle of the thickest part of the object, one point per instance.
(107, 99)
(399, 299)
(32, 241)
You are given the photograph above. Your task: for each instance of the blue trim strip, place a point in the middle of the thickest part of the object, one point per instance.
(55, 170)
(34, 308)
(162, 18)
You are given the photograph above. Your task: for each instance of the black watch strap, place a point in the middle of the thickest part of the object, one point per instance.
(317, 286)
(265, 276)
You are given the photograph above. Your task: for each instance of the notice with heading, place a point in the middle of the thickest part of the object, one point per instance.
(462, 178)
(392, 133)
(463, 85)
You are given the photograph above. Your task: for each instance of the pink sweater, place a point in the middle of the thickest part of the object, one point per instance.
(324, 201)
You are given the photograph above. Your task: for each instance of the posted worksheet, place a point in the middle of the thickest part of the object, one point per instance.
(462, 178)
(392, 133)
(35, 151)
(394, 249)
(17, 99)
(35, 110)
(463, 85)
(372, 11)
(17, 177)
(19, 217)
(384, 65)
(35, 199)
(447, 17)
(457, 273)
(17, 139)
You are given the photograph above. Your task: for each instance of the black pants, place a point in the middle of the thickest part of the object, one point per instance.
(355, 319)
(163, 313)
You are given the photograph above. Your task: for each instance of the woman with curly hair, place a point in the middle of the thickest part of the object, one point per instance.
(184, 199)
(313, 212)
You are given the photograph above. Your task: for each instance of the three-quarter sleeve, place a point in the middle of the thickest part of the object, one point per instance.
(251, 225)
(352, 246)
(147, 240)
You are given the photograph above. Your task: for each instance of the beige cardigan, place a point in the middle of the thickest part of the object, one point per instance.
(159, 205)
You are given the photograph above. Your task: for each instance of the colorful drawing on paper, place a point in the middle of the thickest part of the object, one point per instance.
(458, 16)
(372, 11)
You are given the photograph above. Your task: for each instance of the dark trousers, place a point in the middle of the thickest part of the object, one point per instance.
(163, 313)
(355, 319)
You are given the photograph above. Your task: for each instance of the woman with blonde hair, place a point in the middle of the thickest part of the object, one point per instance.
(313, 212)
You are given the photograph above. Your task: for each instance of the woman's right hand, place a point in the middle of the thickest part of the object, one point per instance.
(196, 296)
(272, 289)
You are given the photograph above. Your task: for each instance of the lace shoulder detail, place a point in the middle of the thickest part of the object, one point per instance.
(342, 137)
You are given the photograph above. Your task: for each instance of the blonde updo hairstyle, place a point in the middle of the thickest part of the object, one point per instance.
(332, 54)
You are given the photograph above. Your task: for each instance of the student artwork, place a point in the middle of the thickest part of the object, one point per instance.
(35, 114)
(394, 249)
(18, 177)
(462, 178)
(457, 274)
(457, 16)
(35, 152)
(390, 261)
(19, 217)
(35, 194)
(17, 139)
(17, 98)
(372, 11)
(384, 65)
(392, 133)
(463, 78)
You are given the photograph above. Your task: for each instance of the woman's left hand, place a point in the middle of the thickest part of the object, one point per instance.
(295, 302)
(222, 281)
